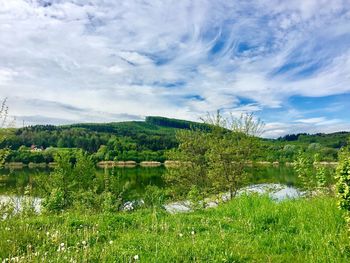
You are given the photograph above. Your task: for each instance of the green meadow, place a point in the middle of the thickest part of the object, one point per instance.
(247, 229)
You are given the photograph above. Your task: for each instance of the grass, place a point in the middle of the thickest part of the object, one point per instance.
(247, 229)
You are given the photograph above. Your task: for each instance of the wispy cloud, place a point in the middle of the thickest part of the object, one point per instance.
(172, 58)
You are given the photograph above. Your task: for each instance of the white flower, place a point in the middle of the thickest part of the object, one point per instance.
(61, 247)
(84, 243)
(181, 235)
(192, 233)
(111, 242)
(136, 257)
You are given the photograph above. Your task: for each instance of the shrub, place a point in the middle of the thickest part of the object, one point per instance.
(343, 183)
(154, 197)
(54, 202)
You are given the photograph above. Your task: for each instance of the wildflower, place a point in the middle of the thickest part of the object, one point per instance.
(181, 235)
(136, 257)
(84, 243)
(111, 242)
(192, 233)
(61, 247)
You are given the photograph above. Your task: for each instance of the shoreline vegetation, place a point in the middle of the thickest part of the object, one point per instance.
(148, 140)
(168, 163)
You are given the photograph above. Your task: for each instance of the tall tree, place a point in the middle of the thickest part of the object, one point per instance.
(232, 146)
(215, 159)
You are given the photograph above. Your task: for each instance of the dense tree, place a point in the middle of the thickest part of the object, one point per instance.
(343, 183)
(233, 144)
(216, 159)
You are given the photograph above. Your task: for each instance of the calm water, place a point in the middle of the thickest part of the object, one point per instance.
(137, 178)
(134, 180)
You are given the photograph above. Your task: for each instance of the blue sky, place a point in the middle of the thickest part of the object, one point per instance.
(66, 61)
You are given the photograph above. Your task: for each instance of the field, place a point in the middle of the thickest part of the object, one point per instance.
(246, 229)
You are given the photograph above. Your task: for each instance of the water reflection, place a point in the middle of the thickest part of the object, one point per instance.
(134, 180)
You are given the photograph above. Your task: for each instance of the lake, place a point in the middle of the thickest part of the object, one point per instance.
(279, 182)
(135, 179)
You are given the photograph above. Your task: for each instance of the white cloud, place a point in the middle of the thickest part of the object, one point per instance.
(312, 120)
(172, 58)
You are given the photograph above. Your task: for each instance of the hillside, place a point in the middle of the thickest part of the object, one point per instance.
(332, 140)
(146, 140)
(132, 140)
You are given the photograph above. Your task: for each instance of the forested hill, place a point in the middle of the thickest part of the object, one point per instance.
(132, 140)
(145, 140)
(332, 140)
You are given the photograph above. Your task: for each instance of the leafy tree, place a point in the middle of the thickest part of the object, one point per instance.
(69, 181)
(343, 183)
(232, 145)
(215, 159)
(303, 166)
(320, 173)
(193, 168)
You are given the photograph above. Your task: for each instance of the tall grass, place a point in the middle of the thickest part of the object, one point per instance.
(247, 229)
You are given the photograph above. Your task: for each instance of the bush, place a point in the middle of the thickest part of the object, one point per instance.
(343, 181)
(54, 202)
(154, 196)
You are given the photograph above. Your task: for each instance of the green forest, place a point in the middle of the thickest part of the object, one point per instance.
(148, 140)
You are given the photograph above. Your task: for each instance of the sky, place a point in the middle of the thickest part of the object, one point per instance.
(69, 61)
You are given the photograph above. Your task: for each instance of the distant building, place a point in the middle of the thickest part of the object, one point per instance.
(35, 148)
